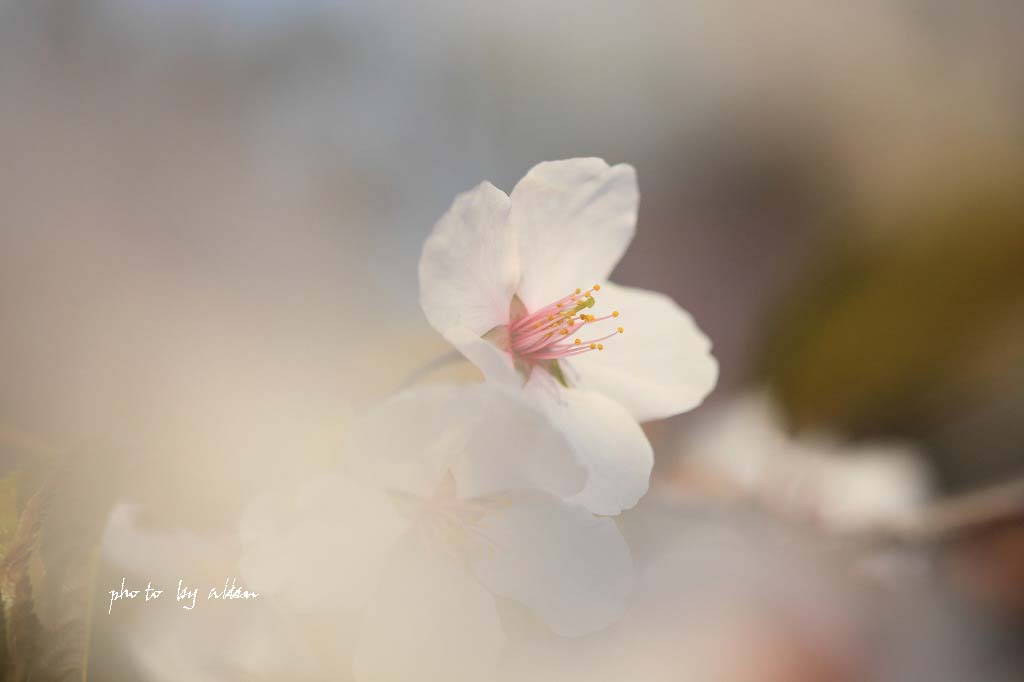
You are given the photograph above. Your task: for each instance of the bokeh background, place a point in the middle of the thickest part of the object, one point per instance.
(210, 218)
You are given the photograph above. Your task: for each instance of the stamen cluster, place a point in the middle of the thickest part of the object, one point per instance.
(551, 332)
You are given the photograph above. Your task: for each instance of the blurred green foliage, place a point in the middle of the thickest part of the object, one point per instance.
(8, 510)
(913, 321)
(49, 537)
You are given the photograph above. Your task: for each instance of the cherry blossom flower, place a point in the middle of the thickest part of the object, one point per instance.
(421, 536)
(519, 285)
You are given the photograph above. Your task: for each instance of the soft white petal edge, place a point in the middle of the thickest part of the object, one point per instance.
(603, 437)
(488, 440)
(572, 568)
(661, 366)
(468, 273)
(410, 441)
(573, 221)
(509, 446)
(429, 620)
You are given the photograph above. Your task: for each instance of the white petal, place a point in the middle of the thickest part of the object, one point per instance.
(490, 442)
(468, 274)
(496, 364)
(409, 442)
(660, 366)
(512, 447)
(572, 568)
(604, 439)
(428, 620)
(322, 550)
(573, 219)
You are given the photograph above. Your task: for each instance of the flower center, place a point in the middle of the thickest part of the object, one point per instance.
(452, 524)
(557, 330)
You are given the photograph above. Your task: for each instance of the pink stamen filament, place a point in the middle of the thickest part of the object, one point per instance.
(549, 333)
(541, 316)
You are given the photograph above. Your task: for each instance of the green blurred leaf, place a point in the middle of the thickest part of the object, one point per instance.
(23, 633)
(47, 574)
(906, 328)
(8, 510)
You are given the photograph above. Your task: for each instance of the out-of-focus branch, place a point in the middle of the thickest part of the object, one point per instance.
(963, 515)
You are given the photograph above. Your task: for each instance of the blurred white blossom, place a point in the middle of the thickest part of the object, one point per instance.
(744, 450)
(732, 596)
(509, 281)
(431, 522)
(209, 643)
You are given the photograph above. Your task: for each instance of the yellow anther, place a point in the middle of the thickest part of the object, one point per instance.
(577, 342)
(593, 346)
(597, 287)
(600, 346)
(615, 313)
(577, 291)
(620, 330)
(565, 332)
(550, 317)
